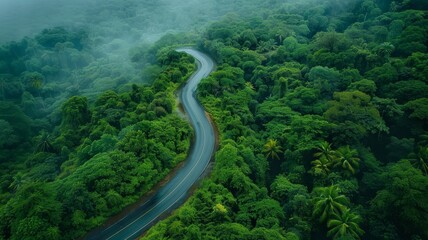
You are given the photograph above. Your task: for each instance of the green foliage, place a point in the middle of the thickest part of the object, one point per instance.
(283, 190)
(419, 108)
(334, 93)
(51, 37)
(345, 225)
(405, 91)
(272, 149)
(36, 213)
(306, 131)
(7, 136)
(325, 158)
(44, 143)
(328, 201)
(305, 100)
(321, 98)
(404, 188)
(420, 160)
(325, 79)
(347, 159)
(101, 156)
(365, 86)
(16, 119)
(355, 108)
(75, 112)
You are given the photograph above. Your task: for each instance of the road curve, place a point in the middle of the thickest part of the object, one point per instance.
(172, 195)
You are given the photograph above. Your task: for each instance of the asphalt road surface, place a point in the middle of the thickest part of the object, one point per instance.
(172, 194)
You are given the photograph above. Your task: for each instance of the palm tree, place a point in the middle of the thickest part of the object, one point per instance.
(44, 144)
(18, 180)
(267, 46)
(326, 157)
(423, 139)
(347, 159)
(420, 161)
(36, 81)
(321, 166)
(325, 151)
(384, 50)
(328, 202)
(344, 225)
(272, 149)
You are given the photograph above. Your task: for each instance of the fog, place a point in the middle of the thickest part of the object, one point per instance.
(144, 19)
(115, 28)
(114, 25)
(21, 18)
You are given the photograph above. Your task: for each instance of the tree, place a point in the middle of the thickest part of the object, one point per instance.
(231, 231)
(317, 22)
(387, 107)
(20, 122)
(403, 187)
(411, 40)
(326, 157)
(325, 151)
(272, 149)
(398, 148)
(260, 213)
(344, 225)
(34, 84)
(405, 91)
(283, 86)
(273, 110)
(284, 191)
(10, 88)
(36, 212)
(420, 160)
(382, 75)
(324, 78)
(248, 39)
(329, 201)
(305, 100)
(347, 159)
(7, 136)
(418, 108)
(368, 9)
(418, 62)
(51, 37)
(266, 46)
(354, 109)
(366, 86)
(44, 143)
(18, 181)
(332, 41)
(305, 132)
(75, 112)
(262, 233)
(36, 228)
(35, 80)
(384, 51)
(321, 166)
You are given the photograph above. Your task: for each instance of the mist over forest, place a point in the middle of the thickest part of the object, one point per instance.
(111, 33)
(113, 28)
(321, 108)
(131, 19)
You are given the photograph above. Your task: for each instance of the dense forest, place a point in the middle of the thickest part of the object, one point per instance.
(321, 109)
(322, 113)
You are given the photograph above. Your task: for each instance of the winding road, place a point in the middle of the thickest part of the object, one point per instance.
(172, 194)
